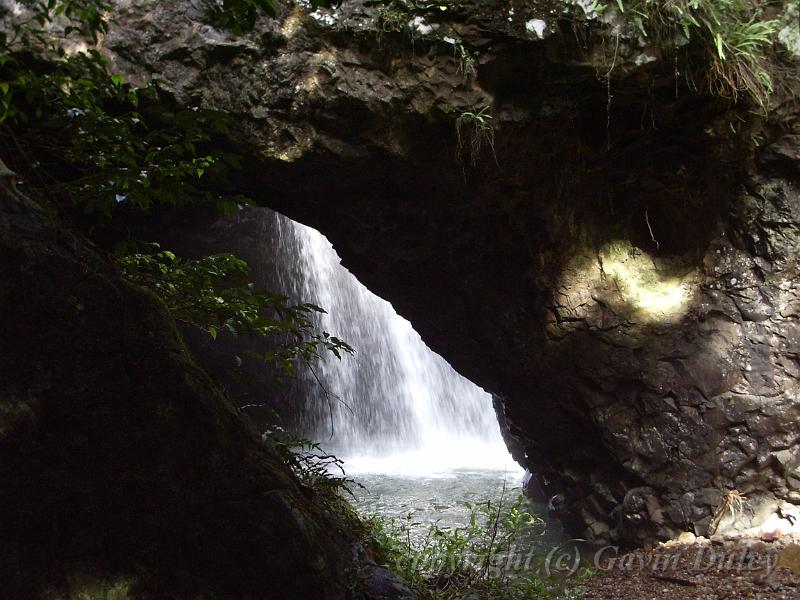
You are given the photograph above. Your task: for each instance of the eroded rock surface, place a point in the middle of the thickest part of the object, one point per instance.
(617, 265)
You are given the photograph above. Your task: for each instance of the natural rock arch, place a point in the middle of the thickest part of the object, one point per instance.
(619, 270)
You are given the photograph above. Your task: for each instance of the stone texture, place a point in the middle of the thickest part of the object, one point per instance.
(383, 584)
(619, 267)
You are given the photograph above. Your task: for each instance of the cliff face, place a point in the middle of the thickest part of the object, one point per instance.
(606, 253)
(123, 467)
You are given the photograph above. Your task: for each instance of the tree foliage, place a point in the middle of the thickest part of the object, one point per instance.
(215, 294)
(109, 147)
(85, 138)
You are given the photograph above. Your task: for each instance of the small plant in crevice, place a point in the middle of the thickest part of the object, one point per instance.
(393, 19)
(475, 131)
(467, 60)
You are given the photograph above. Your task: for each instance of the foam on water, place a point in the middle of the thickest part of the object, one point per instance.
(442, 460)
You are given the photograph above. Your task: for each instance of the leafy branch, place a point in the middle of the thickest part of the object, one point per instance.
(315, 468)
(213, 293)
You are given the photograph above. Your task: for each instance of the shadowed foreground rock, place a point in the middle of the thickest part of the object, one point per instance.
(121, 462)
(618, 266)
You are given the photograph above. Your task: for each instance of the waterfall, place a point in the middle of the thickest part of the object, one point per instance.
(394, 406)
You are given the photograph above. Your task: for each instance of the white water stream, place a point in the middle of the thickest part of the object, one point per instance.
(401, 409)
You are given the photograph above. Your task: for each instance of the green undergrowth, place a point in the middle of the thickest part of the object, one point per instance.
(315, 468)
(736, 37)
(488, 557)
(492, 555)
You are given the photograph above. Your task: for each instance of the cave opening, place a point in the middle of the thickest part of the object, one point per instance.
(415, 435)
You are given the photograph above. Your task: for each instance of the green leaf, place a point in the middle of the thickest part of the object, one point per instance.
(719, 43)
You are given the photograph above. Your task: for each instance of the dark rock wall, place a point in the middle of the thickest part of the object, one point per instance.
(122, 464)
(617, 265)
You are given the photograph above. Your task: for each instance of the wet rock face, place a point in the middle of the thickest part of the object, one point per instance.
(612, 261)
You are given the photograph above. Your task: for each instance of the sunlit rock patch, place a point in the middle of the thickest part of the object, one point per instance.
(629, 283)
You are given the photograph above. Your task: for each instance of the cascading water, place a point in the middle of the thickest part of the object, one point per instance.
(395, 406)
(418, 437)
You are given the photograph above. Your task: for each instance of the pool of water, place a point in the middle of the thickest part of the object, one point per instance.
(442, 496)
